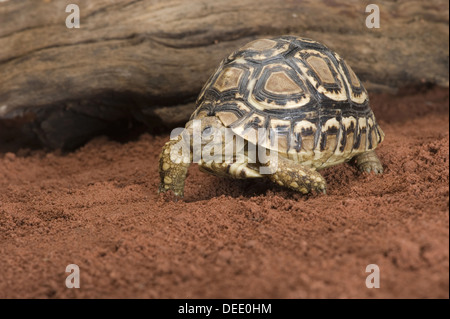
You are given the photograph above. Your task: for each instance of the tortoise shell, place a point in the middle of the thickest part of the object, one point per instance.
(299, 91)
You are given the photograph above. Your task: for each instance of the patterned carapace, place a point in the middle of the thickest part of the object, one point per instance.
(298, 89)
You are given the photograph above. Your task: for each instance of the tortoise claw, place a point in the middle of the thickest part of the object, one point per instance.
(322, 189)
(177, 194)
(369, 162)
(372, 168)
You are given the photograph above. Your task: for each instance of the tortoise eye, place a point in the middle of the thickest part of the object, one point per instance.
(207, 130)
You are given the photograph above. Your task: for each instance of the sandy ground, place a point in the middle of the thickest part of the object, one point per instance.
(97, 207)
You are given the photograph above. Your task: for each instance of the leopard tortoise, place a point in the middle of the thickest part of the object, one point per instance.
(300, 92)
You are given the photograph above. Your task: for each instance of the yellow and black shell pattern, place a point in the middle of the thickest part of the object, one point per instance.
(299, 91)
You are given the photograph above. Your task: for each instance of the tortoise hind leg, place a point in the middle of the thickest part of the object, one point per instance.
(369, 162)
(297, 177)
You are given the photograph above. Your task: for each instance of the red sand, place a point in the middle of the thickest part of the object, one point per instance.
(97, 207)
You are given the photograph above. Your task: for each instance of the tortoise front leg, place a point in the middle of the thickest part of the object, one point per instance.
(173, 170)
(369, 162)
(297, 177)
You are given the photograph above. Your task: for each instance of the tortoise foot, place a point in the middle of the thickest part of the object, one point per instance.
(369, 162)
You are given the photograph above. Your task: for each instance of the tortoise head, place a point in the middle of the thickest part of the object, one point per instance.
(204, 130)
(187, 146)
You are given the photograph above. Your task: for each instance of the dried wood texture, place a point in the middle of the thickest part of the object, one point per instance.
(145, 61)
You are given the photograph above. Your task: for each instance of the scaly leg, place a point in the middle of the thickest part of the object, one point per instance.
(173, 170)
(369, 162)
(297, 177)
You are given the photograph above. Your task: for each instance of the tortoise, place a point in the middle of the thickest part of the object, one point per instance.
(312, 105)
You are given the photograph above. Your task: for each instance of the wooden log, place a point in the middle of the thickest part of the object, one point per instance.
(133, 60)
